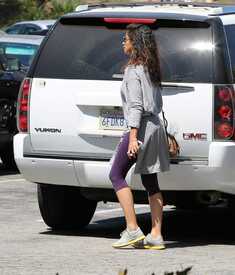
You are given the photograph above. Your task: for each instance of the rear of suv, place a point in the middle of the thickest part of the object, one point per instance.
(70, 117)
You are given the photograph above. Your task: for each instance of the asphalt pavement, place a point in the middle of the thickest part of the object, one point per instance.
(204, 240)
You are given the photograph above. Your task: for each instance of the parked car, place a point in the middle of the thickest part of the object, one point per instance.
(70, 118)
(41, 32)
(29, 27)
(16, 55)
(2, 33)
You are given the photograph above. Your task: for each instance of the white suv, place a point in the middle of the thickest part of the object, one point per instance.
(70, 117)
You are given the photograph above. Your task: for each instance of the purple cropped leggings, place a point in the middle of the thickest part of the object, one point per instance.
(121, 166)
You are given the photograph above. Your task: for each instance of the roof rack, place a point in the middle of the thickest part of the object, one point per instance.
(109, 5)
(224, 8)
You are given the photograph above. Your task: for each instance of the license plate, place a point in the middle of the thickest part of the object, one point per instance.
(112, 120)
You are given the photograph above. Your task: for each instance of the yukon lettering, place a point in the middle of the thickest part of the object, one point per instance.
(194, 136)
(48, 130)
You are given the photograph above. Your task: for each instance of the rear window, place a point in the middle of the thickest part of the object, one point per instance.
(230, 33)
(23, 52)
(95, 52)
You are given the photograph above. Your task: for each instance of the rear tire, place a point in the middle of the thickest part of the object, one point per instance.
(63, 207)
(7, 157)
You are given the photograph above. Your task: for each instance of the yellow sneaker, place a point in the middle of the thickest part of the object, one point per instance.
(151, 243)
(129, 237)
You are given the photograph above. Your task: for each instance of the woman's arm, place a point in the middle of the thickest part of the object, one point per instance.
(135, 110)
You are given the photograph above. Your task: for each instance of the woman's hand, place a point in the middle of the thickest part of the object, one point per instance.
(133, 149)
(133, 146)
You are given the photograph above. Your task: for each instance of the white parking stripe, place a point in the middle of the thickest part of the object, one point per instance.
(118, 209)
(3, 181)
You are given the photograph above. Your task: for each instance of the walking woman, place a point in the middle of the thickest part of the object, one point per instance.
(145, 141)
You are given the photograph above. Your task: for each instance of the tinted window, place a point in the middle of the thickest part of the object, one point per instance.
(95, 52)
(30, 28)
(14, 29)
(23, 52)
(230, 33)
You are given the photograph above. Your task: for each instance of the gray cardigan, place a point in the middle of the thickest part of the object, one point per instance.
(142, 102)
(139, 95)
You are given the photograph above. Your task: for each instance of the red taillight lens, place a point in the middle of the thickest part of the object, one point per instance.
(224, 94)
(23, 103)
(224, 130)
(224, 112)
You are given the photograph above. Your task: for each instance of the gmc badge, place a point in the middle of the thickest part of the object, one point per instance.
(194, 136)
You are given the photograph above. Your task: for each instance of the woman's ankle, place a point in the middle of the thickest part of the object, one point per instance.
(132, 227)
(155, 234)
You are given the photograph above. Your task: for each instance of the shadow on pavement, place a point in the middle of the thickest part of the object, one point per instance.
(180, 228)
(6, 171)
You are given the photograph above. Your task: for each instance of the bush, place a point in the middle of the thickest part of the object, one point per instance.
(8, 11)
(30, 10)
(18, 10)
(53, 9)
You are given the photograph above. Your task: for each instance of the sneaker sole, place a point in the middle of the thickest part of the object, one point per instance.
(155, 247)
(129, 243)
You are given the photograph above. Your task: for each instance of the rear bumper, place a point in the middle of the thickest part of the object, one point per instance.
(218, 175)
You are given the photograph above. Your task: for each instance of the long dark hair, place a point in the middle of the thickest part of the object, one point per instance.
(145, 50)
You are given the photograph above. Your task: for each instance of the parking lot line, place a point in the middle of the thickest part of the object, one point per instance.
(11, 180)
(118, 209)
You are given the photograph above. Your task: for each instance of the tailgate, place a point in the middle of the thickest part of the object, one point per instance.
(75, 105)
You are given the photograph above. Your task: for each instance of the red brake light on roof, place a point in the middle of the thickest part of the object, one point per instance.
(130, 20)
(23, 105)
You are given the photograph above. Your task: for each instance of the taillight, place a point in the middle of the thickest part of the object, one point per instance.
(224, 112)
(23, 105)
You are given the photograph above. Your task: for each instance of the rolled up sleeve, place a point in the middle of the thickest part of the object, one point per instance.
(134, 100)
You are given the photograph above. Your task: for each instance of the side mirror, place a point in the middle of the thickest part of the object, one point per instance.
(13, 64)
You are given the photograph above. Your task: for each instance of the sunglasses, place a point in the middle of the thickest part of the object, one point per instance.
(124, 39)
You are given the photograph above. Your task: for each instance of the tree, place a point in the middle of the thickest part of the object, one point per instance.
(30, 10)
(45, 9)
(9, 9)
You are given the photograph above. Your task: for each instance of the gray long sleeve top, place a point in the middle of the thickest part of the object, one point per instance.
(141, 98)
(139, 95)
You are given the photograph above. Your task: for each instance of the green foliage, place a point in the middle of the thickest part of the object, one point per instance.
(52, 9)
(8, 10)
(30, 10)
(59, 8)
(17, 10)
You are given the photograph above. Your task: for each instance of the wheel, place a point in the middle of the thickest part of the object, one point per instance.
(7, 157)
(63, 207)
